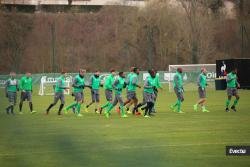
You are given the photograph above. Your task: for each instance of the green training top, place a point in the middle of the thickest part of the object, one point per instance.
(178, 83)
(148, 85)
(128, 78)
(156, 81)
(231, 80)
(60, 84)
(109, 82)
(78, 83)
(118, 85)
(95, 82)
(202, 80)
(11, 85)
(133, 81)
(25, 83)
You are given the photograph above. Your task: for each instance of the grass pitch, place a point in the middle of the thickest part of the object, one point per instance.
(168, 139)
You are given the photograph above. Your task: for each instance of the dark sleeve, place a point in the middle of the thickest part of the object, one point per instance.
(91, 81)
(31, 84)
(7, 83)
(17, 85)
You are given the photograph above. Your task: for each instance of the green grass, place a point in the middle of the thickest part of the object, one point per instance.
(168, 139)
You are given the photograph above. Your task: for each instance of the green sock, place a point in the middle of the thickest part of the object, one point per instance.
(78, 107)
(105, 105)
(175, 104)
(227, 103)
(110, 107)
(235, 102)
(71, 106)
(122, 110)
(178, 105)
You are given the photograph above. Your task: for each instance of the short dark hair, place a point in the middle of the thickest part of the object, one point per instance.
(120, 73)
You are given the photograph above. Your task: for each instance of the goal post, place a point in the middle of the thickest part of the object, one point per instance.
(190, 74)
(47, 85)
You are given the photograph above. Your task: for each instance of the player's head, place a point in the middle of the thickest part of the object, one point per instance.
(136, 70)
(204, 70)
(82, 72)
(63, 73)
(97, 73)
(122, 74)
(179, 69)
(28, 74)
(112, 71)
(151, 73)
(132, 69)
(235, 70)
(12, 74)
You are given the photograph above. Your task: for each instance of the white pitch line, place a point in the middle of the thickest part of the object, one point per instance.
(123, 147)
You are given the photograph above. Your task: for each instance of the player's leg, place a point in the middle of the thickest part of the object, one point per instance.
(229, 96)
(123, 114)
(22, 98)
(29, 98)
(179, 102)
(108, 95)
(72, 105)
(201, 102)
(97, 101)
(155, 97)
(128, 105)
(152, 98)
(92, 100)
(80, 103)
(173, 106)
(148, 109)
(129, 101)
(146, 98)
(12, 102)
(135, 102)
(111, 106)
(237, 97)
(150, 104)
(56, 98)
(62, 99)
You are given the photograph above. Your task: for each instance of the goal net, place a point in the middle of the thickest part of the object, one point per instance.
(47, 86)
(190, 74)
